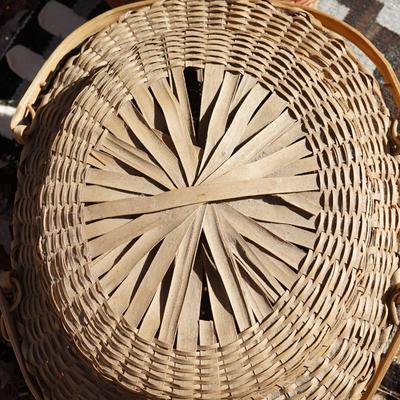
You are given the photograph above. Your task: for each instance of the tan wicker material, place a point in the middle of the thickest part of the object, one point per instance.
(207, 209)
(308, 3)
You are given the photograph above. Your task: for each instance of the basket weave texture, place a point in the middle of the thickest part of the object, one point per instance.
(207, 209)
(308, 3)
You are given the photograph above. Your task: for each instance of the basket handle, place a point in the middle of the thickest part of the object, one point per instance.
(19, 126)
(7, 282)
(361, 41)
(394, 346)
(386, 70)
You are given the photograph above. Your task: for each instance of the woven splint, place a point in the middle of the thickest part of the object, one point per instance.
(207, 208)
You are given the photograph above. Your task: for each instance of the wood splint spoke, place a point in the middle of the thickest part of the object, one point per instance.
(200, 214)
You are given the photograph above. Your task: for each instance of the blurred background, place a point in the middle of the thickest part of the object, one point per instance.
(31, 29)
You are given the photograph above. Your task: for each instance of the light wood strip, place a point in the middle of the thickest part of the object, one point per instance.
(233, 135)
(181, 136)
(99, 228)
(278, 268)
(303, 166)
(292, 234)
(152, 142)
(95, 194)
(272, 108)
(187, 335)
(180, 90)
(105, 262)
(213, 78)
(265, 166)
(241, 248)
(135, 228)
(201, 194)
(206, 333)
(138, 250)
(105, 162)
(120, 299)
(152, 319)
(246, 84)
(116, 180)
(224, 263)
(94, 162)
(253, 231)
(138, 160)
(147, 106)
(120, 234)
(255, 146)
(116, 127)
(156, 272)
(152, 113)
(269, 287)
(220, 306)
(117, 145)
(219, 117)
(263, 211)
(229, 237)
(184, 262)
(259, 304)
(293, 134)
(309, 202)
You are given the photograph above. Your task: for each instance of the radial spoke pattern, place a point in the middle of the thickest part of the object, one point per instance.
(206, 209)
(200, 209)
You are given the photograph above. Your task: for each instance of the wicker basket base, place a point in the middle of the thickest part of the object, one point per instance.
(207, 210)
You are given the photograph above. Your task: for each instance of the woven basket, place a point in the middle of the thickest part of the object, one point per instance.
(206, 209)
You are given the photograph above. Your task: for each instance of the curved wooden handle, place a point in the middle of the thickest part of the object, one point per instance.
(394, 346)
(8, 321)
(76, 38)
(97, 24)
(364, 44)
(386, 70)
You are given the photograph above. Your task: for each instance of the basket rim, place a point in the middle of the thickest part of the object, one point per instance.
(29, 106)
(25, 108)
